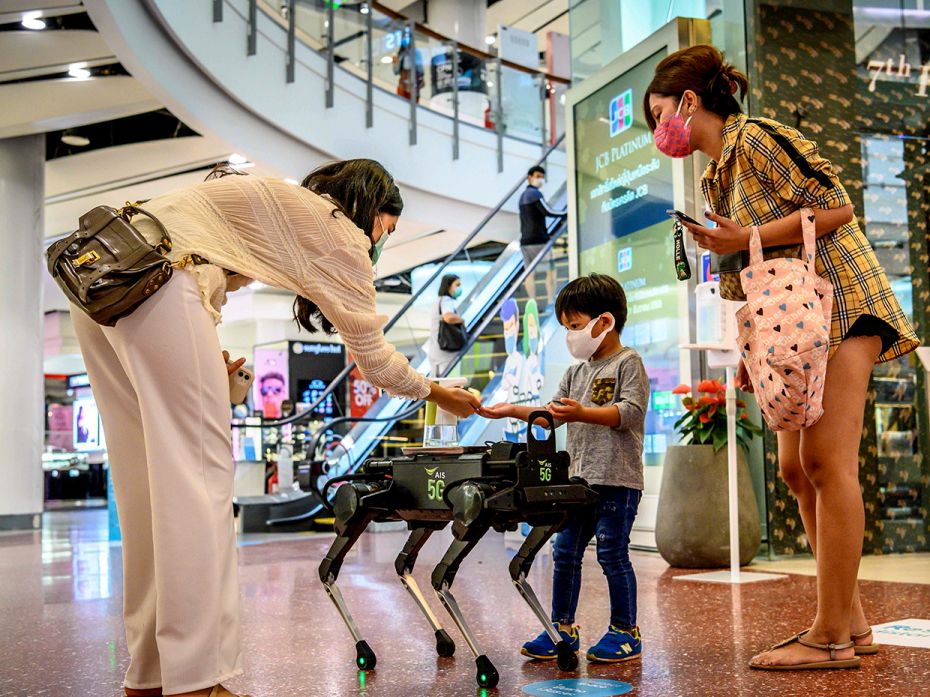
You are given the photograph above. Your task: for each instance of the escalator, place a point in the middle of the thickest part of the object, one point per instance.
(488, 361)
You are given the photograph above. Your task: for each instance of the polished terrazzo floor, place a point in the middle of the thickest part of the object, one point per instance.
(60, 630)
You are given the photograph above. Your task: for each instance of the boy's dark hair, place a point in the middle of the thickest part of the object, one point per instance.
(534, 169)
(593, 295)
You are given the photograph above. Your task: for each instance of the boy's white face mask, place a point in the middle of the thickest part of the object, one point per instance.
(581, 344)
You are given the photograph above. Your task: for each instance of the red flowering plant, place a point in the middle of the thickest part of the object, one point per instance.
(705, 418)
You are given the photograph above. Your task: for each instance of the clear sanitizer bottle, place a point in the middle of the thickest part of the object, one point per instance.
(442, 430)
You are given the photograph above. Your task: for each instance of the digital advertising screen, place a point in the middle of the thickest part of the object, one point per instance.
(270, 388)
(623, 187)
(86, 429)
(314, 365)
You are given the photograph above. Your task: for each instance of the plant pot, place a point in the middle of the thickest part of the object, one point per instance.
(692, 521)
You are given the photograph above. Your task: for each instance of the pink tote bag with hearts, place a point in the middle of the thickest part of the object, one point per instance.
(784, 332)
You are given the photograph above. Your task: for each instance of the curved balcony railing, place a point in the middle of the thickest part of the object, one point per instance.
(395, 54)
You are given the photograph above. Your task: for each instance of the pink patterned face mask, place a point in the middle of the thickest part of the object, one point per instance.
(673, 136)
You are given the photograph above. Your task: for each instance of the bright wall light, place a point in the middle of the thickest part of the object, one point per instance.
(78, 71)
(33, 20)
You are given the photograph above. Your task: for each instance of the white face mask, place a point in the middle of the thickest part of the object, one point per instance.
(537, 182)
(580, 342)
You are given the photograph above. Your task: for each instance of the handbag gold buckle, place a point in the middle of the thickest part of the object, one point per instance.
(87, 258)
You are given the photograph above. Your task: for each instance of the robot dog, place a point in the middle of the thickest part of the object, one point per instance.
(495, 487)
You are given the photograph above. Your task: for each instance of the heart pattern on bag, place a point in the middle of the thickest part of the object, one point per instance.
(784, 333)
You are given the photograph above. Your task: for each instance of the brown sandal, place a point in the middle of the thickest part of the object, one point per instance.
(216, 692)
(865, 649)
(816, 665)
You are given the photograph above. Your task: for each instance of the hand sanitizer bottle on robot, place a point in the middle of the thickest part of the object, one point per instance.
(442, 427)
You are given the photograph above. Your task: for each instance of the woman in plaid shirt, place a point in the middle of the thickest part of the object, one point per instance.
(762, 173)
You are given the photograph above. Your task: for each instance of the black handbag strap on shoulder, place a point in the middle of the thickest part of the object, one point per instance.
(796, 157)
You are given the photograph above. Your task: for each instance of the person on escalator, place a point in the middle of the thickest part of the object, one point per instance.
(440, 352)
(603, 400)
(534, 233)
(161, 383)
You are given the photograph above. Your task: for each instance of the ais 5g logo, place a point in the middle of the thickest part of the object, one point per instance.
(621, 113)
(545, 471)
(435, 483)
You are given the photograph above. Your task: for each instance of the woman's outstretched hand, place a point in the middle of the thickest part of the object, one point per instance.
(454, 400)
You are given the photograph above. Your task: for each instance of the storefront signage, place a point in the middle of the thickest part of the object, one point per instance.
(80, 380)
(316, 349)
(902, 69)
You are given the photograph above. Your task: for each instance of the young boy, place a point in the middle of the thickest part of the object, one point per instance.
(603, 400)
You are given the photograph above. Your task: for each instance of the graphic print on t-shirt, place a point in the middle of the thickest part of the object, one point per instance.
(602, 390)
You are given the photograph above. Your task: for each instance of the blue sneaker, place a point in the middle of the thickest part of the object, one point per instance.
(616, 646)
(542, 647)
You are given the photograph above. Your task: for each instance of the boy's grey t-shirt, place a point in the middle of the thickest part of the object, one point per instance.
(600, 454)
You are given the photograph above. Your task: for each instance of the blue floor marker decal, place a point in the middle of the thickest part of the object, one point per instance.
(577, 687)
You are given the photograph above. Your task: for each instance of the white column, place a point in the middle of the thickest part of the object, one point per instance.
(22, 199)
(462, 20)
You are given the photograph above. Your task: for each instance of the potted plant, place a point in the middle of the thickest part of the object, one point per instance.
(692, 521)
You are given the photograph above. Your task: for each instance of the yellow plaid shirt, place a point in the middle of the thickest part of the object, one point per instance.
(756, 181)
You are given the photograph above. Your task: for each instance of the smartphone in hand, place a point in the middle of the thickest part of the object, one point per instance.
(239, 383)
(682, 217)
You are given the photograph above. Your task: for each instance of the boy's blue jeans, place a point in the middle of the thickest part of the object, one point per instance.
(611, 521)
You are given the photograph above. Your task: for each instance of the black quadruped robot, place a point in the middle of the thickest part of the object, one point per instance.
(477, 489)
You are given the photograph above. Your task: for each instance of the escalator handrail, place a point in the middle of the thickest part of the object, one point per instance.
(307, 415)
(489, 316)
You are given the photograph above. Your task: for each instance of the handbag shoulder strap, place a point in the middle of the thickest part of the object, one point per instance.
(796, 157)
(809, 229)
(130, 209)
(756, 255)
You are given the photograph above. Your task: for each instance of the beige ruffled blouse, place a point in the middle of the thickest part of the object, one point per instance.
(288, 237)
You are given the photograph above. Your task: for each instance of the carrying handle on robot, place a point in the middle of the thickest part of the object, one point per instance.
(540, 449)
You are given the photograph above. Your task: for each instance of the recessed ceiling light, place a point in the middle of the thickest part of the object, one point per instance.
(237, 159)
(490, 39)
(78, 71)
(364, 9)
(75, 140)
(387, 59)
(33, 20)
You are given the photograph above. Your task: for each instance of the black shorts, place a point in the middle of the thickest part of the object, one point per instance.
(870, 325)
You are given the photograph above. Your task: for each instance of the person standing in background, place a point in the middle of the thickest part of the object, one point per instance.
(533, 231)
(450, 290)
